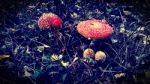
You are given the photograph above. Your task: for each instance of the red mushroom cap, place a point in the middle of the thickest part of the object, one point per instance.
(44, 22)
(94, 29)
(55, 21)
(49, 19)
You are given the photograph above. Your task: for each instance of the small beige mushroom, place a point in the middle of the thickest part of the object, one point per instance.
(100, 55)
(88, 53)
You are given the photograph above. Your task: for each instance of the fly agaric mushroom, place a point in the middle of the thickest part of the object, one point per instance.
(49, 19)
(94, 29)
(100, 55)
(55, 20)
(88, 53)
(44, 22)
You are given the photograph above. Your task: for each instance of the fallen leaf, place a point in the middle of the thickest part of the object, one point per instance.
(64, 77)
(4, 56)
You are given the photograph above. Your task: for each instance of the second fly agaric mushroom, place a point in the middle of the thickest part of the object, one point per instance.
(94, 29)
(44, 22)
(49, 19)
